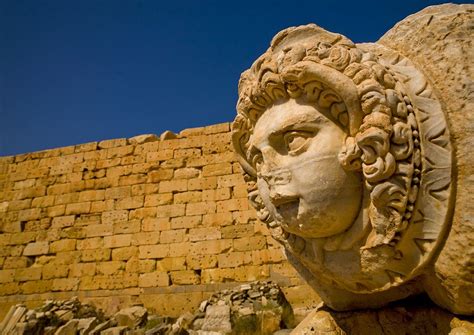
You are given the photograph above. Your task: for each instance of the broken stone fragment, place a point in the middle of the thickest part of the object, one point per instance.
(70, 328)
(132, 317)
(217, 319)
(115, 331)
(145, 138)
(168, 135)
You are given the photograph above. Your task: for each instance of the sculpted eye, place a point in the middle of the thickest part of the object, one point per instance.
(297, 141)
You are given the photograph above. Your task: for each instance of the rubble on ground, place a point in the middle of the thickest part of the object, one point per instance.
(257, 308)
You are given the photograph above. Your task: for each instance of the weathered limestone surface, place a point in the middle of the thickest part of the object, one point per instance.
(439, 40)
(359, 158)
(163, 222)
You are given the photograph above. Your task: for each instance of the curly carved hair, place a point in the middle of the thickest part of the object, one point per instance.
(360, 95)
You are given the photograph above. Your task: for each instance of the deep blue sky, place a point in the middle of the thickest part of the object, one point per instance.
(75, 71)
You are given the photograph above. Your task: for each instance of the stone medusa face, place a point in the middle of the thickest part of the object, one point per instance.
(295, 150)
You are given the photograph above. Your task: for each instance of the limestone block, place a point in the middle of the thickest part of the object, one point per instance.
(161, 155)
(171, 264)
(217, 194)
(153, 279)
(217, 128)
(120, 151)
(186, 173)
(31, 273)
(184, 153)
(23, 238)
(124, 253)
(213, 247)
(78, 208)
(130, 203)
(16, 262)
(191, 132)
(53, 270)
(245, 216)
(62, 245)
(95, 255)
(116, 241)
(145, 138)
(144, 238)
(210, 276)
(243, 230)
(179, 249)
(186, 197)
(145, 189)
(118, 192)
(63, 221)
(109, 268)
(136, 178)
(202, 234)
(156, 176)
(172, 236)
(114, 216)
(205, 183)
(200, 208)
(217, 219)
(103, 229)
(17, 205)
(67, 257)
(218, 169)
(156, 224)
(127, 227)
(91, 146)
(54, 211)
(185, 222)
(7, 276)
(9, 288)
(230, 180)
(232, 205)
(66, 197)
(170, 210)
(252, 272)
(82, 269)
(90, 243)
(266, 256)
(36, 249)
(29, 214)
(91, 195)
(196, 262)
(118, 171)
(135, 159)
(142, 213)
(234, 259)
(185, 277)
(173, 186)
(250, 243)
(153, 251)
(106, 144)
(211, 159)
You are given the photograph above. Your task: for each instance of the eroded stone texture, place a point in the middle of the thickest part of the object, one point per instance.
(414, 316)
(353, 158)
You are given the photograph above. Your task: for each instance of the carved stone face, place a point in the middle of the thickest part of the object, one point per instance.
(295, 150)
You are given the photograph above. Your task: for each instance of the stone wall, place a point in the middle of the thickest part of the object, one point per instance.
(160, 222)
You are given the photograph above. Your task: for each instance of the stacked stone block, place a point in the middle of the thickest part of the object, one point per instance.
(162, 222)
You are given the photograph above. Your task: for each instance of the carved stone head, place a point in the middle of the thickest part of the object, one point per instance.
(347, 158)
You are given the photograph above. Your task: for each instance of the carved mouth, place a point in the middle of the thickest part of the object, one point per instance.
(288, 207)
